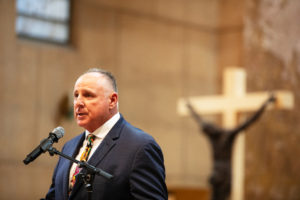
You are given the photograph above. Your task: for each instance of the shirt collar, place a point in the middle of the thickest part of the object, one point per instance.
(103, 130)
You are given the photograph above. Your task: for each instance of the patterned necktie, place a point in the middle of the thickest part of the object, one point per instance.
(83, 158)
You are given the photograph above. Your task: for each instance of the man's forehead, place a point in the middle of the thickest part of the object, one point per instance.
(92, 79)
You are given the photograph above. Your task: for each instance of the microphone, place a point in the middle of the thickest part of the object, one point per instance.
(45, 144)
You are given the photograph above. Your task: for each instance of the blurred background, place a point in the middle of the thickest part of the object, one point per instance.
(159, 51)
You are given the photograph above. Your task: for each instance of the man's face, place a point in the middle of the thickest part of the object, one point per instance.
(94, 101)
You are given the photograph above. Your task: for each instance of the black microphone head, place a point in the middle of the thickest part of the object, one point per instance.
(58, 132)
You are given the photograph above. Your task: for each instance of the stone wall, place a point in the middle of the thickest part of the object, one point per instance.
(272, 61)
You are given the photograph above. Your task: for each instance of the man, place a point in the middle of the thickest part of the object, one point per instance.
(132, 156)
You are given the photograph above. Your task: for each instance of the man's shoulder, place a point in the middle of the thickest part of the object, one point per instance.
(137, 134)
(138, 140)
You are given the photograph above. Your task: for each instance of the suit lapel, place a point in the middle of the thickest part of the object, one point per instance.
(106, 145)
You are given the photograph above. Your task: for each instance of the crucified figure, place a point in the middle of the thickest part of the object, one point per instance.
(222, 143)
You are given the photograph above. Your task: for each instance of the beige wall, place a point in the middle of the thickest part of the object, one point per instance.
(158, 50)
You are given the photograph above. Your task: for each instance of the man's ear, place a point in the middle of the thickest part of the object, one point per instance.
(113, 100)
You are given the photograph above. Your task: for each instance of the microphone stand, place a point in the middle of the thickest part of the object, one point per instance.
(87, 177)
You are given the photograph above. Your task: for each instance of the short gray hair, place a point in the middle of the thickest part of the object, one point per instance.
(107, 74)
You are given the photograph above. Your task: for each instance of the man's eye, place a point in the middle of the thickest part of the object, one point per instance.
(88, 95)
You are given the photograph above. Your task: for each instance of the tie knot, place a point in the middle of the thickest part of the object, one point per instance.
(91, 138)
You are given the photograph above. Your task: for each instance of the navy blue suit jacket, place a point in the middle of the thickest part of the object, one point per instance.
(129, 154)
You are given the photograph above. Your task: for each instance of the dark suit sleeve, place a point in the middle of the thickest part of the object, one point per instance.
(147, 179)
(51, 192)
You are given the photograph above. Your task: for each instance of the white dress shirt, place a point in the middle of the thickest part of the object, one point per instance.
(100, 133)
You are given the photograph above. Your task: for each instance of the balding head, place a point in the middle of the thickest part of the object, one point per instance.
(107, 75)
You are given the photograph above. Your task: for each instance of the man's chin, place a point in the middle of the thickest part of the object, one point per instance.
(81, 124)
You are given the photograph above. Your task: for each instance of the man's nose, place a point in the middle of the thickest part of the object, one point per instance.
(79, 101)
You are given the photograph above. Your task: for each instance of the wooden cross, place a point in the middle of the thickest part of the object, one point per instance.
(235, 100)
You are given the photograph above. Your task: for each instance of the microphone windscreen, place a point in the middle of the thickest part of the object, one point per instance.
(59, 132)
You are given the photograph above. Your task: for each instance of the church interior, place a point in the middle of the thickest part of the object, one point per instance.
(161, 52)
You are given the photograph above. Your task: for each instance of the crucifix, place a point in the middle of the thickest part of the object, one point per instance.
(233, 101)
